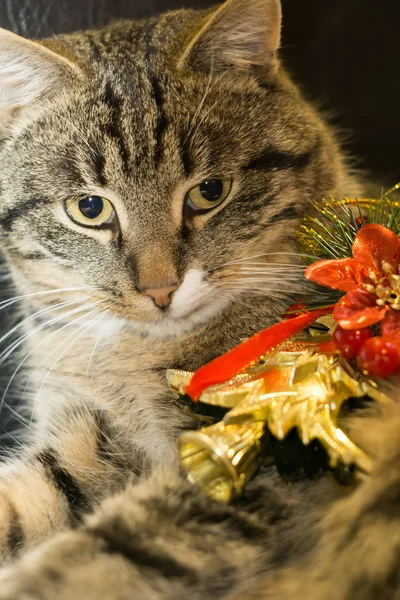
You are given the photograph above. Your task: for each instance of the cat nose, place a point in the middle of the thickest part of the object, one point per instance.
(161, 296)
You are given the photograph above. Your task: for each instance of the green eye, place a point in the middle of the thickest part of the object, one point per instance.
(90, 211)
(209, 194)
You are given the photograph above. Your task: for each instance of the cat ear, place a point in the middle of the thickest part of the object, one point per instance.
(28, 72)
(241, 34)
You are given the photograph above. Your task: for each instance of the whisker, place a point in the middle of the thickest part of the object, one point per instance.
(265, 274)
(266, 277)
(244, 284)
(247, 280)
(41, 312)
(10, 349)
(272, 292)
(266, 254)
(8, 434)
(270, 284)
(200, 106)
(271, 267)
(96, 319)
(210, 86)
(9, 301)
(80, 134)
(18, 416)
(96, 345)
(46, 339)
(205, 115)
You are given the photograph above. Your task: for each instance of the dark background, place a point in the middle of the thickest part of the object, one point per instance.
(344, 53)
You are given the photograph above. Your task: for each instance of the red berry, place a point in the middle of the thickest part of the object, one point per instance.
(349, 342)
(362, 220)
(378, 358)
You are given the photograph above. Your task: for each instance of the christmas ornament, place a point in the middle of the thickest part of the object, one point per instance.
(370, 278)
(293, 389)
(281, 387)
(349, 343)
(378, 357)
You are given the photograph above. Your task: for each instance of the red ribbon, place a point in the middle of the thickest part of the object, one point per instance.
(241, 357)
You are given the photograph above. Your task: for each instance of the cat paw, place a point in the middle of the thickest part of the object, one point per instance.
(71, 566)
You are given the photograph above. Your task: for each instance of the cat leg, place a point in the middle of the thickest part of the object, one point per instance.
(357, 555)
(157, 540)
(173, 543)
(169, 541)
(50, 486)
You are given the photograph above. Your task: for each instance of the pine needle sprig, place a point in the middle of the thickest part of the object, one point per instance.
(331, 232)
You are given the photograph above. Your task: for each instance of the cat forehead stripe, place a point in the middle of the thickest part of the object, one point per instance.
(275, 159)
(161, 119)
(98, 162)
(113, 127)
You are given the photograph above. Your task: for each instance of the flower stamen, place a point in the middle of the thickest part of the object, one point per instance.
(387, 289)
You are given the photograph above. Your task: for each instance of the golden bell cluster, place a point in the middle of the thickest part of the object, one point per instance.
(294, 388)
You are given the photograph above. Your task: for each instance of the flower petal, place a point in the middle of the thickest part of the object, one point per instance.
(358, 309)
(344, 274)
(374, 244)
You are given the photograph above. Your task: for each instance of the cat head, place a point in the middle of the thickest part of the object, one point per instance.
(154, 162)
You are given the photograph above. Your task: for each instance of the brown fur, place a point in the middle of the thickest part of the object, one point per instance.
(140, 113)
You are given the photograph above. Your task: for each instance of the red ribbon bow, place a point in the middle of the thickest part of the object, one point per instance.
(244, 355)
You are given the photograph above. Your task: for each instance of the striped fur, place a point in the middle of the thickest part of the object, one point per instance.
(140, 113)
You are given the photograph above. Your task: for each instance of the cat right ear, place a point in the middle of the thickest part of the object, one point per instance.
(240, 35)
(28, 72)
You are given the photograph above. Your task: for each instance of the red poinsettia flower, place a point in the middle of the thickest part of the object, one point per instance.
(370, 278)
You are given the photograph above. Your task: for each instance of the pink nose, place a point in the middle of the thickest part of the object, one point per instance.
(161, 296)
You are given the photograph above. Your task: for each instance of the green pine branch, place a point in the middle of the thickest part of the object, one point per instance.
(331, 233)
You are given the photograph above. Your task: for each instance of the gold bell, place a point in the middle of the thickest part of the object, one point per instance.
(223, 458)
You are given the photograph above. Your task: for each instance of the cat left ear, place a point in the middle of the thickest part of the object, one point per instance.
(241, 34)
(29, 72)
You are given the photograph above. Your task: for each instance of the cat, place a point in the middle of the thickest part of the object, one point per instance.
(153, 174)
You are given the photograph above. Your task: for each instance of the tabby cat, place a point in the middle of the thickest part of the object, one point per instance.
(153, 174)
